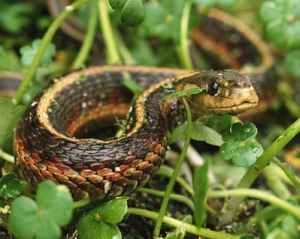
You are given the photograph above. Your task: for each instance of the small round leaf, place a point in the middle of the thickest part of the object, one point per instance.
(100, 222)
(132, 13)
(117, 4)
(238, 145)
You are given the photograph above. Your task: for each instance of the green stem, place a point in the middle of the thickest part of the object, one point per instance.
(257, 168)
(7, 157)
(124, 52)
(275, 182)
(113, 56)
(177, 197)
(184, 53)
(259, 194)
(168, 171)
(287, 172)
(89, 38)
(81, 203)
(171, 183)
(45, 41)
(176, 223)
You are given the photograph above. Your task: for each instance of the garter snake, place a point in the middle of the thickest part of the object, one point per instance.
(50, 140)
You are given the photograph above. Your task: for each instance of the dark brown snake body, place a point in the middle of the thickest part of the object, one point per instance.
(50, 139)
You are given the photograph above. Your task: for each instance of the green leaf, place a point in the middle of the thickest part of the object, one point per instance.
(41, 219)
(10, 186)
(282, 19)
(238, 145)
(14, 17)
(100, 222)
(191, 91)
(278, 233)
(200, 132)
(201, 185)
(219, 3)
(51, 199)
(9, 60)
(177, 133)
(178, 233)
(162, 19)
(133, 13)
(23, 219)
(220, 122)
(131, 84)
(28, 53)
(142, 51)
(273, 221)
(291, 63)
(117, 4)
(9, 117)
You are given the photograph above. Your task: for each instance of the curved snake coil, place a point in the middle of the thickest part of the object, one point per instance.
(49, 140)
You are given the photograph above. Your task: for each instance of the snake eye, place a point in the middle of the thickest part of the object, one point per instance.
(213, 88)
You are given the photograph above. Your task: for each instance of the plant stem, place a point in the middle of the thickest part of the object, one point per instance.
(287, 172)
(171, 183)
(81, 203)
(124, 52)
(188, 227)
(262, 195)
(275, 182)
(177, 197)
(7, 157)
(112, 56)
(168, 171)
(45, 41)
(89, 38)
(256, 169)
(184, 54)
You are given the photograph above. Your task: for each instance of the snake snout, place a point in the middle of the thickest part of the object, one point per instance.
(246, 97)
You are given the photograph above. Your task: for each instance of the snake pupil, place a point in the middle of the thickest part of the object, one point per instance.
(213, 88)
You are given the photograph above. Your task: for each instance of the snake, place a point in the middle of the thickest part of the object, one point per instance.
(55, 140)
(49, 140)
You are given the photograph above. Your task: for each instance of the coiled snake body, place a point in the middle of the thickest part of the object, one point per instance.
(49, 143)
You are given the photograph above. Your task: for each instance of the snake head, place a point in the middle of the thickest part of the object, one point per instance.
(226, 92)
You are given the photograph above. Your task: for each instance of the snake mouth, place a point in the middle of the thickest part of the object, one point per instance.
(247, 105)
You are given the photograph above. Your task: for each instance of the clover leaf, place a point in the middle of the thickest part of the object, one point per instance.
(100, 222)
(239, 146)
(282, 19)
(291, 63)
(162, 19)
(10, 186)
(41, 219)
(28, 53)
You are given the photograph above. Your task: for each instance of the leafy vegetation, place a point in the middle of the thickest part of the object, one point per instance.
(157, 33)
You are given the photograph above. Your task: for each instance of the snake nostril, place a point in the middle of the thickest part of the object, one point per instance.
(236, 88)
